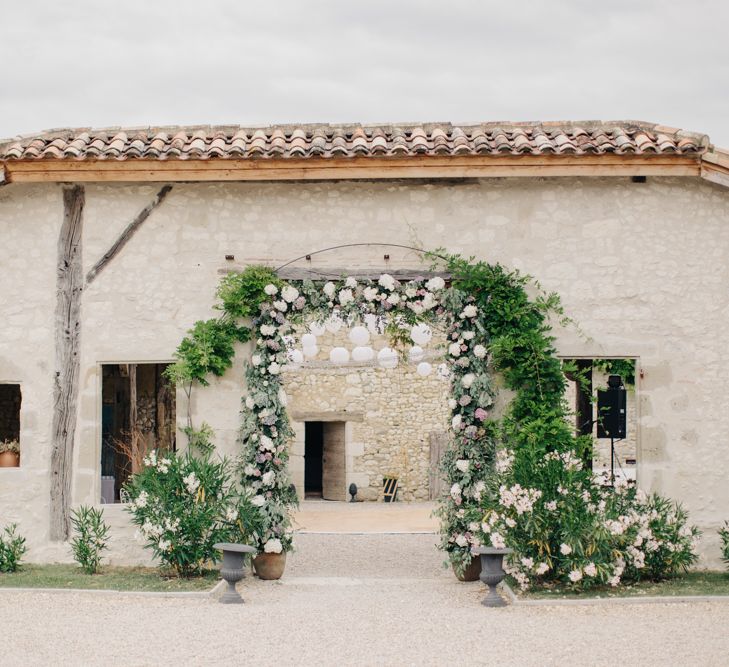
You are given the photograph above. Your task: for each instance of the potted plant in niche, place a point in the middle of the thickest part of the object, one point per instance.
(9, 454)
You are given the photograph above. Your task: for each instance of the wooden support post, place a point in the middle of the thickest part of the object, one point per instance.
(134, 435)
(69, 285)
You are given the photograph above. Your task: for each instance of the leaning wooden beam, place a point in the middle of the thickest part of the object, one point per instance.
(127, 234)
(69, 284)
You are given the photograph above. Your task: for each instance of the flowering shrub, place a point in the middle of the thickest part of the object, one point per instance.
(724, 535)
(569, 527)
(183, 505)
(90, 539)
(12, 548)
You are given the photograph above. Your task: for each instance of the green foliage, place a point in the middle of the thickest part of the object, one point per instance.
(625, 368)
(183, 505)
(91, 537)
(724, 535)
(207, 349)
(200, 439)
(241, 294)
(12, 548)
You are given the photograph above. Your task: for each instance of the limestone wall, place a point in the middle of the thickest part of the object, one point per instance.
(641, 267)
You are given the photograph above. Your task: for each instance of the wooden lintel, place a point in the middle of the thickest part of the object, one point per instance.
(436, 167)
(715, 173)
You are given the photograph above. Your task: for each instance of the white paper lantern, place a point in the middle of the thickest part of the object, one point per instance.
(363, 353)
(416, 353)
(443, 371)
(308, 340)
(359, 336)
(317, 328)
(296, 356)
(421, 334)
(310, 351)
(339, 355)
(333, 324)
(424, 369)
(387, 357)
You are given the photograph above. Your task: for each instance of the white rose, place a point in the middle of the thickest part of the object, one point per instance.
(280, 305)
(329, 289)
(290, 293)
(429, 301)
(250, 470)
(268, 329)
(250, 403)
(256, 360)
(479, 351)
(387, 281)
(266, 443)
(467, 380)
(411, 292)
(346, 296)
(370, 293)
(468, 335)
(454, 349)
(469, 311)
(461, 541)
(456, 422)
(268, 478)
(274, 368)
(283, 399)
(258, 501)
(393, 298)
(351, 282)
(435, 284)
(463, 465)
(452, 403)
(270, 289)
(273, 546)
(456, 491)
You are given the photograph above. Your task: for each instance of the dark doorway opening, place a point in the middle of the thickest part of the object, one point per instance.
(10, 400)
(137, 416)
(313, 459)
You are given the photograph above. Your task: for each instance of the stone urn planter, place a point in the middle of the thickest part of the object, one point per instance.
(232, 569)
(269, 566)
(9, 459)
(492, 573)
(472, 571)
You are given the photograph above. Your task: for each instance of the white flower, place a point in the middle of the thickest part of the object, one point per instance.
(469, 311)
(370, 293)
(164, 545)
(479, 351)
(283, 399)
(290, 293)
(250, 470)
(329, 289)
(497, 541)
(565, 549)
(467, 380)
(456, 422)
(256, 359)
(541, 568)
(280, 305)
(231, 514)
(142, 499)
(551, 505)
(429, 301)
(575, 576)
(456, 491)
(454, 349)
(346, 296)
(393, 298)
(164, 465)
(468, 335)
(258, 501)
(463, 465)
(273, 546)
(268, 478)
(250, 403)
(351, 282)
(435, 284)
(387, 281)
(274, 368)
(461, 541)
(591, 570)
(270, 289)
(268, 329)
(527, 563)
(452, 403)
(266, 443)
(411, 292)
(151, 459)
(191, 482)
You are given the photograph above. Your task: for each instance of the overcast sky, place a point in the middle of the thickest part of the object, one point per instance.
(152, 62)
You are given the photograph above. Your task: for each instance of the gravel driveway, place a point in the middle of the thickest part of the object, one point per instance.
(355, 600)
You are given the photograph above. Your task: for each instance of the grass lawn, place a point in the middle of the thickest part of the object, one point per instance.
(697, 582)
(110, 578)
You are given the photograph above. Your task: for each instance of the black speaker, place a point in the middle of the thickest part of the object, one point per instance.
(612, 410)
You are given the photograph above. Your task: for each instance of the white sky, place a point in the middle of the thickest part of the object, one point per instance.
(154, 62)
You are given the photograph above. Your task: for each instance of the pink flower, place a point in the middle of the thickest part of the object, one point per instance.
(480, 414)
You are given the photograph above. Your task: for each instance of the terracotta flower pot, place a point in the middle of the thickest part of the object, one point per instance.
(269, 566)
(471, 573)
(9, 460)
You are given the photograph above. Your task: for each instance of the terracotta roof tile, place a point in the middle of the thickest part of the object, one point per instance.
(346, 141)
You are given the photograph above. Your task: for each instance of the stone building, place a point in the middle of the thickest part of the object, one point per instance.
(112, 243)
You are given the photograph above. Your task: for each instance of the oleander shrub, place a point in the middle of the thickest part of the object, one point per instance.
(91, 537)
(12, 548)
(183, 504)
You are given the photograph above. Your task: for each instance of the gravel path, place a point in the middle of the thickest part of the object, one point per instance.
(355, 600)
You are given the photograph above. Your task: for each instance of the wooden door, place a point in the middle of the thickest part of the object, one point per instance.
(438, 444)
(333, 477)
